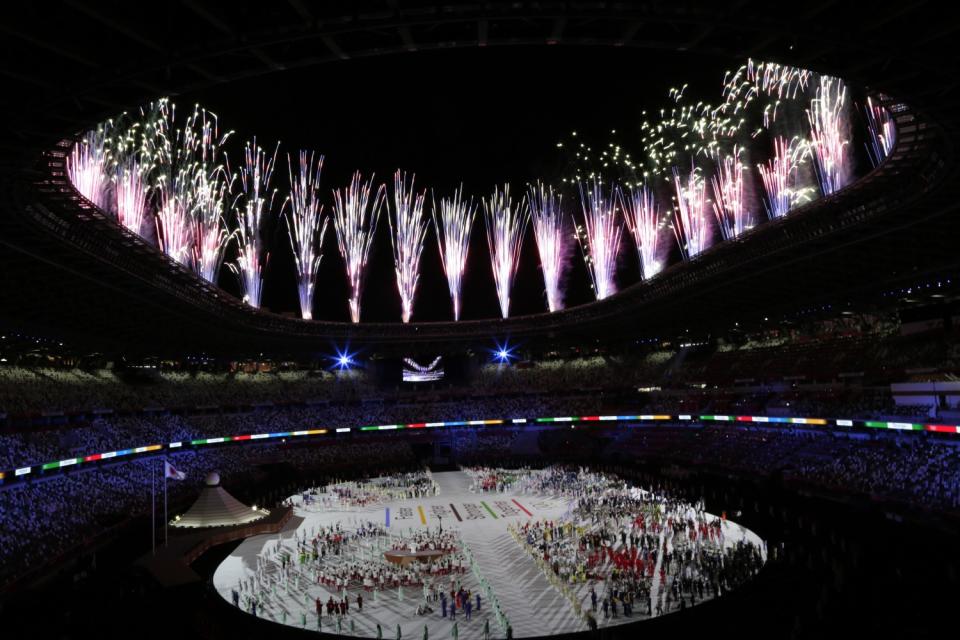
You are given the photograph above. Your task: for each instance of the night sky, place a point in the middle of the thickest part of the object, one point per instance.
(476, 116)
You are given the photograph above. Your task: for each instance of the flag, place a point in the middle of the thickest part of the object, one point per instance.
(169, 471)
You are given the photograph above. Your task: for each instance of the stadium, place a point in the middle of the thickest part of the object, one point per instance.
(482, 320)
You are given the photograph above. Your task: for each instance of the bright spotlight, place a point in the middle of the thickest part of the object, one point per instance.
(504, 353)
(343, 360)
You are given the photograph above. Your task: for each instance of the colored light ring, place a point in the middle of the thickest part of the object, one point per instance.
(21, 472)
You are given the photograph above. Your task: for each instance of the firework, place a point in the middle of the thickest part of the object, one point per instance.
(828, 134)
(354, 222)
(685, 132)
(253, 209)
(642, 214)
(881, 131)
(690, 223)
(209, 224)
(408, 231)
(506, 225)
(453, 223)
(132, 191)
(211, 184)
(728, 195)
(307, 226)
(87, 166)
(168, 152)
(780, 177)
(181, 158)
(174, 224)
(599, 237)
(776, 83)
(551, 236)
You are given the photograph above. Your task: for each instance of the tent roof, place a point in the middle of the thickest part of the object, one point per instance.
(217, 508)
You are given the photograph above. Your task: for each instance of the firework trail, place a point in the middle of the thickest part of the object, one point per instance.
(209, 222)
(690, 223)
(600, 237)
(87, 166)
(210, 189)
(166, 151)
(408, 231)
(253, 209)
(506, 226)
(766, 84)
(307, 226)
(174, 224)
(354, 222)
(642, 214)
(551, 236)
(188, 182)
(729, 205)
(685, 132)
(453, 225)
(780, 177)
(881, 131)
(132, 192)
(828, 134)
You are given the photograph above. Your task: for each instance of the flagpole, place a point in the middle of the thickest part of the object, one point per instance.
(165, 518)
(153, 510)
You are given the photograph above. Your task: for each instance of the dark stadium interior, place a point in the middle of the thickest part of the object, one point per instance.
(801, 377)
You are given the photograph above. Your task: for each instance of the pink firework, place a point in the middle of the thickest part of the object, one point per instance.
(255, 208)
(87, 166)
(882, 131)
(642, 214)
(600, 237)
(780, 176)
(506, 225)
(209, 224)
(355, 217)
(729, 205)
(408, 232)
(828, 135)
(132, 192)
(307, 226)
(690, 225)
(551, 235)
(453, 223)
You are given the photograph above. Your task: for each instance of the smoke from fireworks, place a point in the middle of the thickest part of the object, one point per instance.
(307, 226)
(453, 223)
(87, 166)
(354, 222)
(828, 134)
(729, 205)
(600, 237)
(506, 225)
(881, 131)
(690, 225)
(642, 214)
(408, 231)
(256, 206)
(551, 236)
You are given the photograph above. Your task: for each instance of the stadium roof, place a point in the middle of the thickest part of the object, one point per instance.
(69, 64)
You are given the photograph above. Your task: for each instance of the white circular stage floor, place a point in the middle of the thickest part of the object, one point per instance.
(533, 606)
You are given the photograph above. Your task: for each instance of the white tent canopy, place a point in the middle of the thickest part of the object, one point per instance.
(217, 508)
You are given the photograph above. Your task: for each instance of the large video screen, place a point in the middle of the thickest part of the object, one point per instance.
(414, 371)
